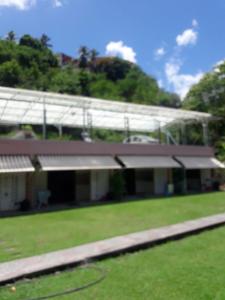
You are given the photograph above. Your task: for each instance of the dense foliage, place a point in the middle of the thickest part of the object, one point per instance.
(209, 96)
(30, 63)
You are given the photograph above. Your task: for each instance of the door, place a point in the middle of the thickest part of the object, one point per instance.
(12, 190)
(6, 192)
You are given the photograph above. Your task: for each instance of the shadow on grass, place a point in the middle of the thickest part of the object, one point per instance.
(89, 204)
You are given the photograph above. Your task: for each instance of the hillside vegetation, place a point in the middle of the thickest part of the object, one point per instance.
(30, 63)
(209, 96)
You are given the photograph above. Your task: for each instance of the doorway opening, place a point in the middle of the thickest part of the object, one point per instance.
(61, 184)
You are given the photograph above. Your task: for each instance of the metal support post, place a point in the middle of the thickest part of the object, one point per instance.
(183, 134)
(159, 133)
(60, 130)
(205, 133)
(127, 127)
(89, 124)
(84, 119)
(44, 127)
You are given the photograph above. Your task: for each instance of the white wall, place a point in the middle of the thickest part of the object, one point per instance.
(21, 187)
(99, 184)
(12, 190)
(160, 181)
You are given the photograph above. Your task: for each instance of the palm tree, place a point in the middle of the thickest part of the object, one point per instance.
(11, 36)
(83, 57)
(45, 41)
(93, 54)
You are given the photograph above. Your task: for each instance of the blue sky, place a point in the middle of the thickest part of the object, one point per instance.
(175, 41)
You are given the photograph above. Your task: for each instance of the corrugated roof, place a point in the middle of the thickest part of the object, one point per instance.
(28, 147)
(142, 162)
(200, 162)
(15, 164)
(76, 162)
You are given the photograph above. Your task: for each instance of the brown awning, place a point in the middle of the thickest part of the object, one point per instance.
(195, 162)
(134, 162)
(15, 164)
(70, 162)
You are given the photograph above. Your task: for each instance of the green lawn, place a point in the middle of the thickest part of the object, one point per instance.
(189, 269)
(30, 235)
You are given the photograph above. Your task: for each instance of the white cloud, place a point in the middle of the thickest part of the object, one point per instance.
(120, 49)
(194, 23)
(26, 4)
(160, 83)
(220, 62)
(159, 53)
(217, 65)
(57, 3)
(180, 82)
(188, 37)
(19, 4)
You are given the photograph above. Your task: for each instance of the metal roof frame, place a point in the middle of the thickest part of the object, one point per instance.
(19, 106)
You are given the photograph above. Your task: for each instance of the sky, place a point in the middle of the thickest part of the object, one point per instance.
(175, 41)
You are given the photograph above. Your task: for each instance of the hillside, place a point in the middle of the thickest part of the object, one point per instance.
(209, 96)
(30, 63)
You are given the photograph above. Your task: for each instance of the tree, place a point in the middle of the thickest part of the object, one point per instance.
(29, 41)
(168, 99)
(10, 73)
(103, 88)
(66, 81)
(45, 41)
(11, 36)
(84, 82)
(83, 57)
(113, 67)
(93, 54)
(7, 51)
(208, 96)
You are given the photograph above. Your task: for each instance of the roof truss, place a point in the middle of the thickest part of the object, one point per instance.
(20, 106)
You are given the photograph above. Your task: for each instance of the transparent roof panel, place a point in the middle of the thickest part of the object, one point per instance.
(25, 106)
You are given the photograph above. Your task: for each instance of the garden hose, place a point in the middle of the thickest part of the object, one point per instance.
(101, 277)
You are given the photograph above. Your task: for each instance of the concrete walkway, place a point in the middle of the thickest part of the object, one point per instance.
(17, 269)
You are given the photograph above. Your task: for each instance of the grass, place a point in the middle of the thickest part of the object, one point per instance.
(192, 268)
(35, 234)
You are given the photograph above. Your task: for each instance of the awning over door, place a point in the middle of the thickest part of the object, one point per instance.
(134, 162)
(195, 162)
(15, 164)
(70, 162)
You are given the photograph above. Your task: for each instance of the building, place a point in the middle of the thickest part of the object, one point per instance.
(76, 172)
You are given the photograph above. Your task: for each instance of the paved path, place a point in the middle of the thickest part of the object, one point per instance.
(12, 270)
